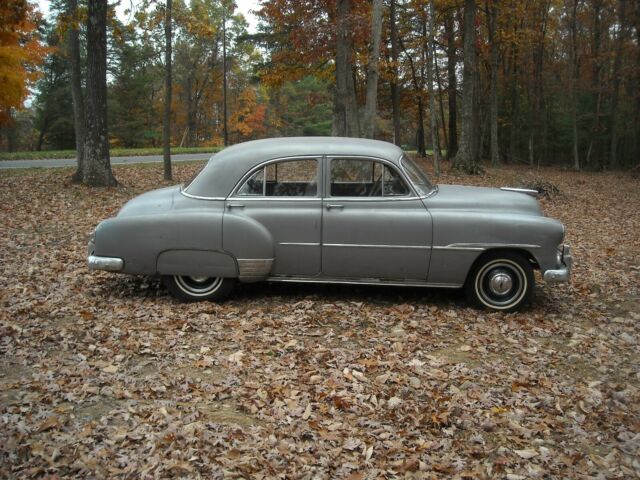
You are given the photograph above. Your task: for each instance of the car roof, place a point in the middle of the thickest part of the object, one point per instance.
(225, 168)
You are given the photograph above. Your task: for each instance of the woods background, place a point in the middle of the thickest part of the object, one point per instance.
(539, 82)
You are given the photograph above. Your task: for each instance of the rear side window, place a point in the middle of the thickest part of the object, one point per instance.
(288, 178)
(351, 177)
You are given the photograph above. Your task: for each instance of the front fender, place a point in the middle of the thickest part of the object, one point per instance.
(461, 237)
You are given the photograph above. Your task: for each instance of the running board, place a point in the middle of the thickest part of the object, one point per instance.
(365, 281)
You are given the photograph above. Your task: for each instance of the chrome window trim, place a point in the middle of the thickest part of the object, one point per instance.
(198, 197)
(359, 245)
(402, 167)
(384, 161)
(274, 199)
(371, 199)
(234, 191)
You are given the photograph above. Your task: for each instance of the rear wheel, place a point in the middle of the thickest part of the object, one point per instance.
(501, 281)
(195, 289)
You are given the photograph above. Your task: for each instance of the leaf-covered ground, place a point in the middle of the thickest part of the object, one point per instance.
(107, 376)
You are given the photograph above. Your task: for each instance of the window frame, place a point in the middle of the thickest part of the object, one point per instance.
(411, 195)
(263, 166)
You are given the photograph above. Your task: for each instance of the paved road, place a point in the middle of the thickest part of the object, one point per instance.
(71, 162)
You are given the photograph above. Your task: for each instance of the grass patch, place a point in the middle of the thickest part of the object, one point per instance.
(114, 152)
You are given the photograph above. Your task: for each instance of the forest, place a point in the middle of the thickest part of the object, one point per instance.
(539, 83)
(109, 376)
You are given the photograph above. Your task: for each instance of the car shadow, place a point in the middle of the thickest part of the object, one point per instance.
(330, 293)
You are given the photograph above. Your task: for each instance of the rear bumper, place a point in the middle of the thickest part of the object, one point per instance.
(110, 264)
(562, 272)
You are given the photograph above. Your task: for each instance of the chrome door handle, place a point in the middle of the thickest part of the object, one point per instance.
(331, 206)
(234, 205)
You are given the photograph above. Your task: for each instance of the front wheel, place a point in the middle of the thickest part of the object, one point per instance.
(501, 281)
(196, 289)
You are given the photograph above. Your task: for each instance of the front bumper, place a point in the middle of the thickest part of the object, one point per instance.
(110, 264)
(562, 272)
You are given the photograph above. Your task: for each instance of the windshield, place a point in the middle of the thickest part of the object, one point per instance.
(417, 176)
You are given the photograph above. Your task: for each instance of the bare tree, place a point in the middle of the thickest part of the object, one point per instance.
(373, 72)
(345, 110)
(166, 122)
(395, 94)
(431, 59)
(449, 27)
(224, 77)
(492, 11)
(75, 70)
(620, 38)
(573, 31)
(466, 156)
(97, 166)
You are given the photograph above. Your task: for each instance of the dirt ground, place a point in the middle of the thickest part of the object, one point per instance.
(104, 375)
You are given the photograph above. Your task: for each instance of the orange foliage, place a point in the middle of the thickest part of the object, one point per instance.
(20, 52)
(248, 120)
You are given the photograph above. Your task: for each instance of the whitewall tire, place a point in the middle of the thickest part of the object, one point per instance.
(500, 281)
(195, 289)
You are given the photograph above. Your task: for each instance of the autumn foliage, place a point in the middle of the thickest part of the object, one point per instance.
(20, 53)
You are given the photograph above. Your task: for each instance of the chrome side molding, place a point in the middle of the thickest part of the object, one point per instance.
(526, 191)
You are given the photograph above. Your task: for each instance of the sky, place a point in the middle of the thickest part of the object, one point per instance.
(244, 7)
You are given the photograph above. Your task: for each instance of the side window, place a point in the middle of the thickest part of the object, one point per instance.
(365, 178)
(393, 184)
(253, 186)
(288, 178)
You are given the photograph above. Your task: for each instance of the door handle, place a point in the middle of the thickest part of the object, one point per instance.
(332, 206)
(234, 205)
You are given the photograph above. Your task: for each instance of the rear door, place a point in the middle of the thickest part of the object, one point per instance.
(284, 197)
(374, 225)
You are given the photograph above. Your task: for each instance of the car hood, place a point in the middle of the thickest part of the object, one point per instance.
(460, 197)
(153, 202)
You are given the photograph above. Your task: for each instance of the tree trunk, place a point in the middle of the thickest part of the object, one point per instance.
(574, 83)
(43, 132)
(75, 70)
(345, 111)
(225, 120)
(620, 38)
(420, 146)
(370, 108)
(395, 94)
(97, 166)
(432, 98)
(452, 147)
(166, 121)
(493, 85)
(443, 122)
(465, 158)
(594, 142)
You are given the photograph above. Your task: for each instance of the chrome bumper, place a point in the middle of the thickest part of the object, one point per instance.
(110, 264)
(562, 272)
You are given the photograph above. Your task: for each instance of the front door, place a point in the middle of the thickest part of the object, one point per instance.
(284, 197)
(374, 225)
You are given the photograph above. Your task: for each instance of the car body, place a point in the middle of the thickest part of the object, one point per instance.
(332, 210)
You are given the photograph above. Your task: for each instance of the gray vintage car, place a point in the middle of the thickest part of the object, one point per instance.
(332, 210)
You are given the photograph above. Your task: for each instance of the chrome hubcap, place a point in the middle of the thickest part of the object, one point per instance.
(500, 283)
(199, 279)
(198, 286)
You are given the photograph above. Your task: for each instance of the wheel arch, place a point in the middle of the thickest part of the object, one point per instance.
(527, 254)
